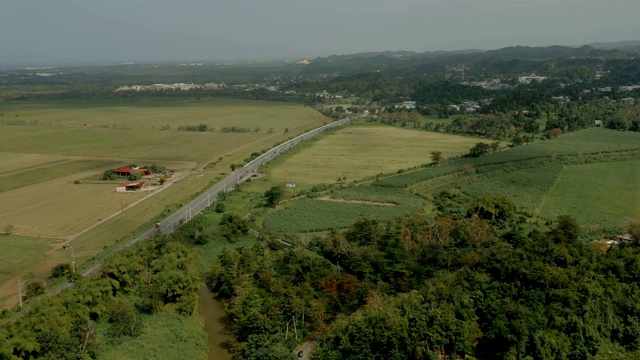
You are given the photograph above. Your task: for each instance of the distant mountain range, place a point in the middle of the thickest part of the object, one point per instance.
(437, 62)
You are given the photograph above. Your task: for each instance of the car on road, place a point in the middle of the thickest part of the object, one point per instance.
(300, 353)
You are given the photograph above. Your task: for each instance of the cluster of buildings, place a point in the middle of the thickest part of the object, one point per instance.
(530, 79)
(606, 244)
(177, 86)
(470, 106)
(494, 84)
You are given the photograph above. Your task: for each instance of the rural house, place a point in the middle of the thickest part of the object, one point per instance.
(125, 172)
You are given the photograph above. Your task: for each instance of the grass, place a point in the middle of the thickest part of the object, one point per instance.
(308, 215)
(18, 255)
(599, 196)
(165, 336)
(357, 152)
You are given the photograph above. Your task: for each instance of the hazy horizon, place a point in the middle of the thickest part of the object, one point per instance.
(75, 32)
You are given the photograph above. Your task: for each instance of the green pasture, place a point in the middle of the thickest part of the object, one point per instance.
(599, 196)
(357, 152)
(341, 208)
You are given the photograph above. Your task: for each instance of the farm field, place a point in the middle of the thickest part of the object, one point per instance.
(525, 187)
(18, 256)
(580, 145)
(121, 129)
(60, 208)
(597, 195)
(12, 162)
(341, 208)
(356, 152)
(38, 196)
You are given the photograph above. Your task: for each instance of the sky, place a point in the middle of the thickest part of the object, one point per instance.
(112, 31)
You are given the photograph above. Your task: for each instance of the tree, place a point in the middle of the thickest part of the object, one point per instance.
(35, 288)
(567, 230)
(479, 149)
(436, 157)
(8, 229)
(517, 140)
(203, 127)
(633, 228)
(60, 270)
(135, 175)
(495, 146)
(273, 196)
(233, 226)
(124, 321)
(492, 208)
(109, 175)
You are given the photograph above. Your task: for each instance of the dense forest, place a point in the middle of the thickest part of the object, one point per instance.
(482, 282)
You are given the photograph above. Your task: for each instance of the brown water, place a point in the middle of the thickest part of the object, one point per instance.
(211, 311)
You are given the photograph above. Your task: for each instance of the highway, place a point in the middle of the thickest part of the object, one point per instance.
(193, 208)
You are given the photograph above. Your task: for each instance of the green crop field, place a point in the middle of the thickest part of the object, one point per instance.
(356, 152)
(599, 196)
(592, 175)
(524, 187)
(596, 141)
(341, 208)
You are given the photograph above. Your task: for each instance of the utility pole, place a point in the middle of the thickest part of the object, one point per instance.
(73, 261)
(121, 207)
(20, 292)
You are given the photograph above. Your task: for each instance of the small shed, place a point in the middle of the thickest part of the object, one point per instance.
(130, 186)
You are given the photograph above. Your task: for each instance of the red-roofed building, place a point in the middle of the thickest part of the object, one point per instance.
(127, 171)
(130, 186)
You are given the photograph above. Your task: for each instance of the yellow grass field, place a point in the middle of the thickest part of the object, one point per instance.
(356, 152)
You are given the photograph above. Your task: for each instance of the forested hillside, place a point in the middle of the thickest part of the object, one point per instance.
(487, 284)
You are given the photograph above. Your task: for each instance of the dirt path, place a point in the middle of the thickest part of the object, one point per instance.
(327, 198)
